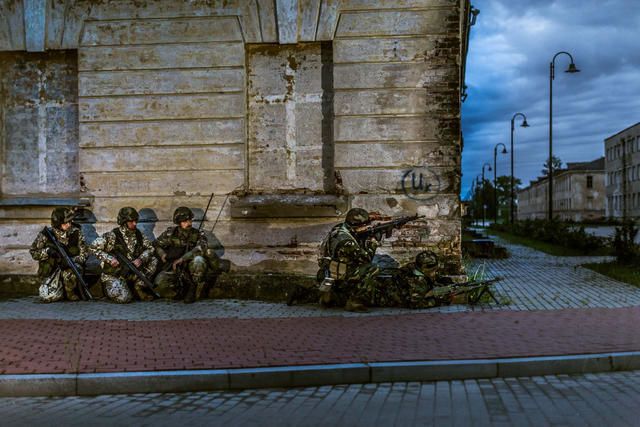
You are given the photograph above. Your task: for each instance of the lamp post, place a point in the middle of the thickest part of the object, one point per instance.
(476, 198)
(484, 202)
(572, 69)
(512, 199)
(495, 177)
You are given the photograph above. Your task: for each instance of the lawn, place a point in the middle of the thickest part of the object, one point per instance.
(545, 247)
(624, 273)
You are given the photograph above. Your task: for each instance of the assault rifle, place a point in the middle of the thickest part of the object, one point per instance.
(84, 287)
(129, 266)
(474, 290)
(386, 227)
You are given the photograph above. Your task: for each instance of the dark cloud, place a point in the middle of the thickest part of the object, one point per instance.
(511, 47)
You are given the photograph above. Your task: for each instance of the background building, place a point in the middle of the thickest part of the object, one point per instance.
(297, 110)
(578, 193)
(622, 167)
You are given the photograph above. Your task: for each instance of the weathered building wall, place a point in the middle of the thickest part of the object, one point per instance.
(622, 170)
(301, 109)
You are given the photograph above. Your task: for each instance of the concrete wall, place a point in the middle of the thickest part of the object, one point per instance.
(299, 109)
(572, 199)
(622, 170)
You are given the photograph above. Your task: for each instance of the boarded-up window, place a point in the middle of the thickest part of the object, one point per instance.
(290, 100)
(39, 123)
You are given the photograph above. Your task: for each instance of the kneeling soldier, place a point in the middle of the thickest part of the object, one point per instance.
(129, 242)
(56, 277)
(187, 259)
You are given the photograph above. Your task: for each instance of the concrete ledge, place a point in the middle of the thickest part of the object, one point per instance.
(311, 375)
(433, 371)
(38, 385)
(155, 381)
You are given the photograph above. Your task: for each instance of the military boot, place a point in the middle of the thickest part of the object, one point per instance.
(190, 293)
(356, 306)
(70, 290)
(142, 293)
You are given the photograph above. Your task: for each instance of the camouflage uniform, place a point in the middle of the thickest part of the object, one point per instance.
(411, 285)
(199, 265)
(58, 280)
(115, 280)
(348, 261)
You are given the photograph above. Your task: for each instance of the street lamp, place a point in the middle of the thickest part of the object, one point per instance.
(512, 203)
(495, 177)
(572, 69)
(484, 202)
(476, 198)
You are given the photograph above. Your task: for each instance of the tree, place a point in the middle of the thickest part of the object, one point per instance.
(503, 193)
(557, 164)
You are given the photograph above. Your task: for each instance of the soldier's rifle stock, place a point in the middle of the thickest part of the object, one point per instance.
(385, 227)
(85, 294)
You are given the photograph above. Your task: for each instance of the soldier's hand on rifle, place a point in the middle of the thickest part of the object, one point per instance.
(114, 263)
(163, 258)
(137, 262)
(176, 263)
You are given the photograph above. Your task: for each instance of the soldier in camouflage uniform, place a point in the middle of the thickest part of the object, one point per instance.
(130, 242)
(57, 280)
(347, 260)
(189, 267)
(410, 286)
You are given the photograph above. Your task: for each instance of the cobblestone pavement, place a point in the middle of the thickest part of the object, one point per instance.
(582, 400)
(532, 280)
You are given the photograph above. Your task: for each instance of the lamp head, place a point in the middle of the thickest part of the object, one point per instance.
(489, 168)
(504, 150)
(572, 69)
(525, 124)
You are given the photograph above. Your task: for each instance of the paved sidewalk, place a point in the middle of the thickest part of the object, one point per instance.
(595, 400)
(556, 308)
(55, 346)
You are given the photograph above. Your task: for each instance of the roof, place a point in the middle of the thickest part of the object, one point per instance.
(623, 130)
(594, 165)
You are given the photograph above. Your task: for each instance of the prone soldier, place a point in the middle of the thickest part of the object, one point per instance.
(56, 276)
(189, 266)
(126, 241)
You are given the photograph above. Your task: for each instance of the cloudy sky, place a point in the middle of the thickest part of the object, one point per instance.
(511, 47)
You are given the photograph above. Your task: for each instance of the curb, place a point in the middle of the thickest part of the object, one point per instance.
(310, 375)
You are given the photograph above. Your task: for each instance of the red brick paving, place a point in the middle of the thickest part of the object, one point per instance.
(61, 346)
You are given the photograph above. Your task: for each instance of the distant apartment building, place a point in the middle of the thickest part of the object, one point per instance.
(622, 167)
(578, 193)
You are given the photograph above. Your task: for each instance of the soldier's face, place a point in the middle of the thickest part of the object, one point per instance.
(187, 223)
(131, 225)
(65, 226)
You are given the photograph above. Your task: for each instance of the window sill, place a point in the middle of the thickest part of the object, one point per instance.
(288, 206)
(44, 201)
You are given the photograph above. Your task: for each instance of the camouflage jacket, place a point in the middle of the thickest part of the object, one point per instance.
(176, 243)
(136, 245)
(341, 245)
(42, 250)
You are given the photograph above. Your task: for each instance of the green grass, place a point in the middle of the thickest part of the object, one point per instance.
(545, 247)
(625, 273)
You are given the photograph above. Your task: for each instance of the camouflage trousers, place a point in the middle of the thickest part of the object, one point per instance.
(168, 285)
(117, 289)
(57, 285)
(359, 283)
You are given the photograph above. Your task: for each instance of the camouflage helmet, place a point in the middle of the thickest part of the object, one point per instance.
(426, 260)
(356, 217)
(127, 214)
(183, 213)
(61, 216)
